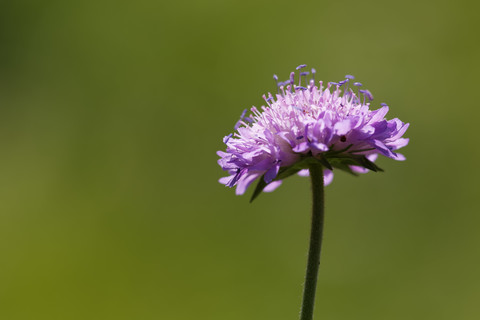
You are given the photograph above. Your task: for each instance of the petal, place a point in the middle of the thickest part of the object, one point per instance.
(343, 127)
(302, 147)
(399, 143)
(318, 146)
(272, 186)
(358, 169)
(304, 173)
(226, 180)
(379, 114)
(401, 131)
(380, 146)
(245, 181)
(327, 177)
(398, 157)
(272, 173)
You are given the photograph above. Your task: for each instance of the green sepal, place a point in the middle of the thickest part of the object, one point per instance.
(344, 167)
(259, 188)
(364, 162)
(330, 160)
(325, 162)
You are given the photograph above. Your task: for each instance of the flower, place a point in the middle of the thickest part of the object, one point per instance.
(332, 125)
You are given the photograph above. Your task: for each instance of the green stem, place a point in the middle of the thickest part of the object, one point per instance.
(316, 174)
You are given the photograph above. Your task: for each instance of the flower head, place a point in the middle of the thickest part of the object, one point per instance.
(309, 122)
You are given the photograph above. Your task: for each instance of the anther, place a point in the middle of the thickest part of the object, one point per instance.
(243, 114)
(303, 74)
(292, 77)
(383, 104)
(225, 139)
(357, 84)
(301, 66)
(364, 94)
(348, 76)
(369, 95)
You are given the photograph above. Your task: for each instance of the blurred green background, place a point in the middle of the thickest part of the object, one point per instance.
(110, 116)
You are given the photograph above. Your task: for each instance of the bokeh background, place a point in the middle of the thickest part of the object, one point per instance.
(110, 116)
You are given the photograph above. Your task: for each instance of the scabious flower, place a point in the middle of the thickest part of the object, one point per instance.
(309, 122)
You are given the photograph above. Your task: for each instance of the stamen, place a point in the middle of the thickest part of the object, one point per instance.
(225, 139)
(303, 74)
(369, 95)
(363, 91)
(255, 111)
(235, 178)
(237, 125)
(301, 66)
(266, 99)
(313, 74)
(243, 114)
(275, 77)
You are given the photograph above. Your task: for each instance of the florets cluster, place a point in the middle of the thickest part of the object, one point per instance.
(332, 124)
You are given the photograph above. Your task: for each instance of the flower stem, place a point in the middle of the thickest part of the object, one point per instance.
(316, 174)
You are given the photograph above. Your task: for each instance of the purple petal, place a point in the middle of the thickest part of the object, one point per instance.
(304, 173)
(269, 135)
(245, 181)
(302, 147)
(272, 173)
(399, 143)
(327, 177)
(318, 146)
(343, 127)
(401, 131)
(379, 114)
(398, 157)
(358, 169)
(272, 186)
(225, 180)
(382, 148)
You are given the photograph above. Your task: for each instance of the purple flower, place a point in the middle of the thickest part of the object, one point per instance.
(301, 124)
